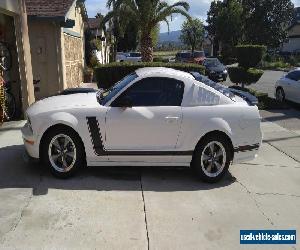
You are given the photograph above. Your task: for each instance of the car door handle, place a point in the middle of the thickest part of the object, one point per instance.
(171, 119)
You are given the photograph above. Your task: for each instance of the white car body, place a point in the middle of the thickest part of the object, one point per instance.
(148, 135)
(290, 84)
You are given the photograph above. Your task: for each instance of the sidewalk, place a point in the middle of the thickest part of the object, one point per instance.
(284, 140)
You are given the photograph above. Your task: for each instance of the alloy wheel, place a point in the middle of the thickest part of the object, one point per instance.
(213, 159)
(62, 153)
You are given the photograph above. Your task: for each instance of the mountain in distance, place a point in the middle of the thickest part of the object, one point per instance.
(170, 37)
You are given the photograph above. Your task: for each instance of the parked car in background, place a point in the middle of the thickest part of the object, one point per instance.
(129, 57)
(189, 57)
(215, 70)
(153, 117)
(288, 87)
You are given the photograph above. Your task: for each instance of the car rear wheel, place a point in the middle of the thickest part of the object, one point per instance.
(212, 158)
(63, 152)
(280, 95)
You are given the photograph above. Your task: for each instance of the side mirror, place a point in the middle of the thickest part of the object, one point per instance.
(123, 102)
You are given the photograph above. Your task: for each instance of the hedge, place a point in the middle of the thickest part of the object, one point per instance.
(249, 56)
(245, 76)
(108, 74)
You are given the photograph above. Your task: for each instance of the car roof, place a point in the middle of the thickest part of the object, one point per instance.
(161, 71)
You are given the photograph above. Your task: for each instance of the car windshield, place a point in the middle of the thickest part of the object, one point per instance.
(199, 54)
(217, 86)
(212, 62)
(104, 96)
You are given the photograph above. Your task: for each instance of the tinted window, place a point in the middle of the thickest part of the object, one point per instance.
(106, 95)
(294, 75)
(155, 92)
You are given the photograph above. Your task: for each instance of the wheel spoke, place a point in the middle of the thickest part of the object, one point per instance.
(205, 157)
(218, 165)
(219, 153)
(209, 167)
(212, 148)
(66, 142)
(64, 162)
(70, 154)
(56, 145)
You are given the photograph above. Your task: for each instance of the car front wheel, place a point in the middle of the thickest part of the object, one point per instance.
(63, 152)
(212, 158)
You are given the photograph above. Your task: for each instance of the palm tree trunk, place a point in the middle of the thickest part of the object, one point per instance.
(147, 48)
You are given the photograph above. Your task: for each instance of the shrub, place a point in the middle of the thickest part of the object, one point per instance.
(245, 76)
(249, 55)
(160, 59)
(108, 74)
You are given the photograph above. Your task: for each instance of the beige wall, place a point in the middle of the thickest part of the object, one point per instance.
(43, 41)
(73, 60)
(73, 42)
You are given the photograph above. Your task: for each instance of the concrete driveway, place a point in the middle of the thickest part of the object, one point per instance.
(144, 208)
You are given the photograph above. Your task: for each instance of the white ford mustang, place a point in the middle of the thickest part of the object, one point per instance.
(154, 116)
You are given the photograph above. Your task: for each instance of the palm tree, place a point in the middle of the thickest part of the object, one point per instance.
(146, 14)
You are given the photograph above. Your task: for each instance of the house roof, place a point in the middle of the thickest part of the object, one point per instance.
(94, 23)
(48, 8)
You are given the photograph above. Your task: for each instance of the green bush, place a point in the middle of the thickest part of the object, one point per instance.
(160, 59)
(245, 76)
(108, 74)
(249, 56)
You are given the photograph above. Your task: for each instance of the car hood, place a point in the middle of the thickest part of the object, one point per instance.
(62, 102)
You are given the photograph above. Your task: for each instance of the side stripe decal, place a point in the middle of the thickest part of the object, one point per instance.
(246, 148)
(95, 134)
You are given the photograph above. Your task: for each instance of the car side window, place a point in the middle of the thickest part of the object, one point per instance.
(154, 91)
(294, 75)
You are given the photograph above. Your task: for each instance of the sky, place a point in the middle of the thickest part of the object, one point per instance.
(198, 8)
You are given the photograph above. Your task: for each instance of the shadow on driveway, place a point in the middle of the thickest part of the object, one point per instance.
(15, 173)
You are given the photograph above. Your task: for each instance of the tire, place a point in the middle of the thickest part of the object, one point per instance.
(211, 167)
(63, 163)
(280, 95)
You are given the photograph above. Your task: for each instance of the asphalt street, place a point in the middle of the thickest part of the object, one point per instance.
(145, 208)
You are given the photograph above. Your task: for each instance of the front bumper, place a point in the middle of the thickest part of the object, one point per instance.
(246, 153)
(30, 142)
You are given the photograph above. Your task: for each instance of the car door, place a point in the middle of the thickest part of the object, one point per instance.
(148, 128)
(295, 87)
(290, 85)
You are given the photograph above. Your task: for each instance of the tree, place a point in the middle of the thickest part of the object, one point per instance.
(146, 14)
(265, 21)
(225, 25)
(229, 27)
(212, 17)
(192, 33)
